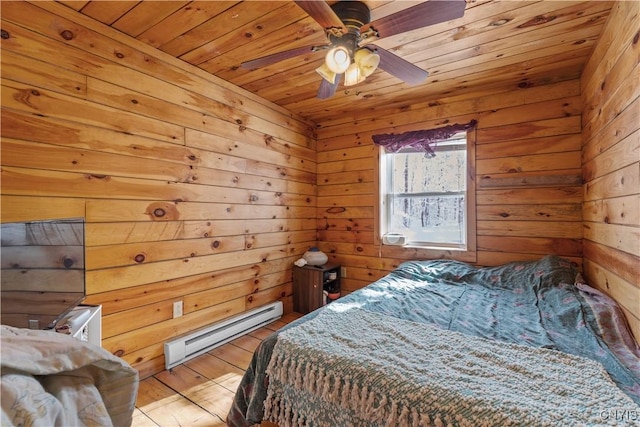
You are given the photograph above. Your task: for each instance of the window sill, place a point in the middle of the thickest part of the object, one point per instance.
(432, 247)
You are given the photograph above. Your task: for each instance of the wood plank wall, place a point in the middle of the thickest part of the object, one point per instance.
(42, 271)
(611, 161)
(528, 177)
(192, 189)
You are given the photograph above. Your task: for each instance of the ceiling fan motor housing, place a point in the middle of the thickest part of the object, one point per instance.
(354, 14)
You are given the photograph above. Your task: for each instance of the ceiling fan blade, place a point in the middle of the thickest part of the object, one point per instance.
(322, 13)
(418, 16)
(276, 57)
(400, 68)
(327, 89)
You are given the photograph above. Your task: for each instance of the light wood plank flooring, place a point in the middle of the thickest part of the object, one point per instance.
(199, 392)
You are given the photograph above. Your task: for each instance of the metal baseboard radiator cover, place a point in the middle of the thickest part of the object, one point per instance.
(188, 346)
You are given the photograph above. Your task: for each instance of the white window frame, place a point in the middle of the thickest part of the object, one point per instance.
(412, 250)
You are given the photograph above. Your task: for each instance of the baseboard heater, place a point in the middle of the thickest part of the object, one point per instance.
(196, 343)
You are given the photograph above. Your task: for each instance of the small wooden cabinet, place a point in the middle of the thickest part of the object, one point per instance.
(310, 284)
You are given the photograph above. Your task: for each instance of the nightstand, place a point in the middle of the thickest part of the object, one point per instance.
(310, 284)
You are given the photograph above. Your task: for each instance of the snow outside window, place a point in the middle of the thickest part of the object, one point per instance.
(424, 197)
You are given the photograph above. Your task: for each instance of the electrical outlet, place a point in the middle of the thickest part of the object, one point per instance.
(177, 309)
(343, 271)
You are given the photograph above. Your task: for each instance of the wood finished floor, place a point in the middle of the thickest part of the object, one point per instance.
(199, 392)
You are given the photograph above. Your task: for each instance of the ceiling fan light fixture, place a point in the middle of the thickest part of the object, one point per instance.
(338, 59)
(367, 61)
(353, 75)
(326, 73)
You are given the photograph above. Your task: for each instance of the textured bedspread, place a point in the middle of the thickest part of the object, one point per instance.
(359, 368)
(535, 304)
(51, 379)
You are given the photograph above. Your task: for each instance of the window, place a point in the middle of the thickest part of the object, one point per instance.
(429, 197)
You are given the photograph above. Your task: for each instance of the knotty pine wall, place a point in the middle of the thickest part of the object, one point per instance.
(611, 161)
(192, 189)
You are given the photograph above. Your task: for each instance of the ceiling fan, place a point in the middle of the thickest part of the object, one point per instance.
(350, 52)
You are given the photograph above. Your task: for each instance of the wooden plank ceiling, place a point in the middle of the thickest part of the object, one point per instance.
(496, 46)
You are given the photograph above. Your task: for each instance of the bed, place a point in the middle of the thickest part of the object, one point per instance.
(51, 379)
(445, 343)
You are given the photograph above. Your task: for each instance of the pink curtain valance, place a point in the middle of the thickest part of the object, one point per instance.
(423, 140)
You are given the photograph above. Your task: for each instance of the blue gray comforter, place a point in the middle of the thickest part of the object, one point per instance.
(538, 304)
